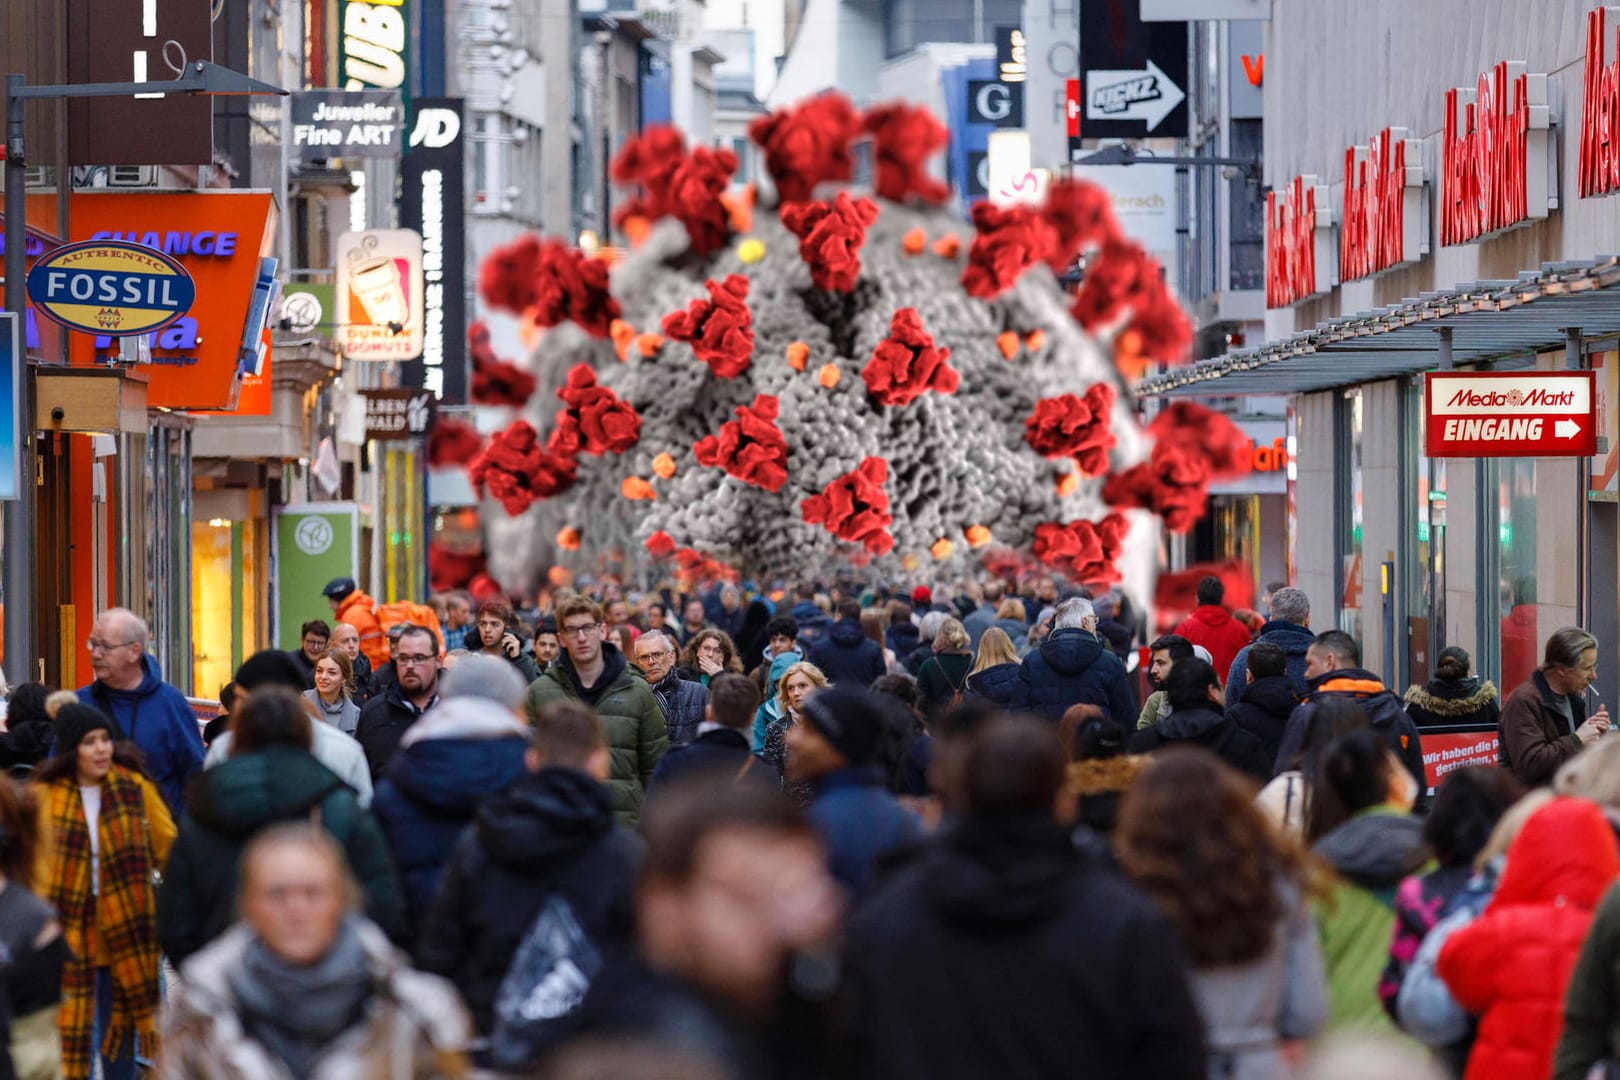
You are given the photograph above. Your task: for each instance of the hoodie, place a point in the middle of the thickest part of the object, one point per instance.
(1384, 712)
(770, 710)
(157, 718)
(1264, 711)
(848, 657)
(1293, 639)
(1072, 666)
(227, 806)
(1101, 977)
(1213, 627)
(813, 623)
(1369, 855)
(1205, 725)
(550, 834)
(433, 785)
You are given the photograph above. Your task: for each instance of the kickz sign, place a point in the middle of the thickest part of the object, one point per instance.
(1383, 221)
(1299, 242)
(1496, 155)
(1473, 414)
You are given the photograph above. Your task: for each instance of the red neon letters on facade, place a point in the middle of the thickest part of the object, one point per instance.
(1490, 178)
(1293, 219)
(1600, 114)
(1378, 233)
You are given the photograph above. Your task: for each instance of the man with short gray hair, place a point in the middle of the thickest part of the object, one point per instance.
(1073, 667)
(682, 701)
(1288, 629)
(145, 710)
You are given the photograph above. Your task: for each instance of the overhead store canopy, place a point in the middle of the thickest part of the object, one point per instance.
(1487, 321)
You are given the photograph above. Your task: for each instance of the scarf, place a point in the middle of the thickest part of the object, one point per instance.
(121, 922)
(666, 690)
(296, 1012)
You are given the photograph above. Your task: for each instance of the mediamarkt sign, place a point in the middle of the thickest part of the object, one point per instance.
(1299, 242)
(1600, 113)
(1476, 414)
(1495, 153)
(1382, 226)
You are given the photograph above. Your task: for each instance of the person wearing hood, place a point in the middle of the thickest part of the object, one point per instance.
(271, 777)
(774, 706)
(836, 751)
(847, 655)
(1512, 965)
(1213, 627)
(782, 639)
(1453, 696)
(1269, 699)
(812, 621)
(903, 635)
(595, 672)
(1333, 669)
(1364, 831)
(305, 986)
(1289, 627)
(1102, 772)
(351, 605)
(549, 836)
(144, 709)
(467, 749)
(1544, 721)
(1590, 1036)
(28, 736)
(1071, 667)
(1197, 719)
(995, 670)
(1025, 957)
(681, 701)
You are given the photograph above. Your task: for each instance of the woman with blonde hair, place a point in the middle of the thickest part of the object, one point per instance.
(995, 671)
(943, 676)
(710, 653)
(796, 685)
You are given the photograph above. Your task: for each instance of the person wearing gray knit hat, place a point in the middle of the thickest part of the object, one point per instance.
(478, 675)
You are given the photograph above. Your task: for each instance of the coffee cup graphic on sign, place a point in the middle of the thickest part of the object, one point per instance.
(377, 282)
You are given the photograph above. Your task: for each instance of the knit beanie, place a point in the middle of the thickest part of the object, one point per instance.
(73, 722)
(851, 720)
(488, 677)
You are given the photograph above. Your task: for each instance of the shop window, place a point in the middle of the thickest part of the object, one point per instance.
(1348, 519)
(1516, 578)
(1423, 524)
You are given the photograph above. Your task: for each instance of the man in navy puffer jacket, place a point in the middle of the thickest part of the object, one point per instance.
(1074, 667)
(469, 746)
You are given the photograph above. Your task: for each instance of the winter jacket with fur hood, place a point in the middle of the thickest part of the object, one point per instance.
(1466, 701)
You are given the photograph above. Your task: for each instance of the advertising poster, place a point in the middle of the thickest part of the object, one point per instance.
(379, 294)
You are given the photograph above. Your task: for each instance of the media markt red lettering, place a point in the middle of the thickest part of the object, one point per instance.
(1383, 206)
(1299, 242)
(1494, 154)
(1600, 112)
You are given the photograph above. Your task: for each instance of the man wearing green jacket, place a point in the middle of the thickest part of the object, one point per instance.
(594, 671)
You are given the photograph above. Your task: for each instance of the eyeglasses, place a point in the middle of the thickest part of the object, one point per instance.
(414, 661)
(105, 646)
(580, 631)
(661, 654)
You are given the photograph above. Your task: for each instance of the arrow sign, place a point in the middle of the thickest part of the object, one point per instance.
(1528, 414)
(1568, 429)
(1147, 95)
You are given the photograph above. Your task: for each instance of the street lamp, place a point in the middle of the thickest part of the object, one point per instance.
(1121, 154)
(199, 77)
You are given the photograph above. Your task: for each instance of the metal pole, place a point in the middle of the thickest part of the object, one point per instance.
(19, 513)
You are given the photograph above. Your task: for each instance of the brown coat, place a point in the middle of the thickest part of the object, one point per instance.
(1536, 738)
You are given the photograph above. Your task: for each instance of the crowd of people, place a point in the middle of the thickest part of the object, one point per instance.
(963, 829)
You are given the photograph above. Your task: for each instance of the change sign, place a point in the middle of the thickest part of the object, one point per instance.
(347, 124)
(1510, 414)
(110, 288)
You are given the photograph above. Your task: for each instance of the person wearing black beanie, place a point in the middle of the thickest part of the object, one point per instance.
(76, 720)
(835, 750)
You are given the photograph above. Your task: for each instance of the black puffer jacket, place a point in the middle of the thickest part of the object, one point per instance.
(682, 703)
(847, 656)
(1384, 713)
(1264, 711)
(1467, 701)
(998, 684)
(1206, 726)
(551, 833)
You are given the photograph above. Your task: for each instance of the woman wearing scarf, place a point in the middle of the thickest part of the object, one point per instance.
(104, 834)
(305, 987)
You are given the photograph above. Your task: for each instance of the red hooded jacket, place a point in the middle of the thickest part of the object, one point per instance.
(1213, 627)
(1512, 965)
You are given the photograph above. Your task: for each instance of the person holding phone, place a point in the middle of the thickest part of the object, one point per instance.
(497, 638)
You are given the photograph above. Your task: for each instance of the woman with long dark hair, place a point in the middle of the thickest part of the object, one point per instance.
(104, 833)
(1190, 836)
(31, 938)
(710, 653)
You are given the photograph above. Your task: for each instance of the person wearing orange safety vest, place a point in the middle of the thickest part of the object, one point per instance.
(354, 607)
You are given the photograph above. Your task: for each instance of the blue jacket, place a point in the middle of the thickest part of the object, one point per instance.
(1072, 667)
(902, 638)
(429, 795)
(998, 684)
(847, 656)
(814, 623)
(156, 718)
(719, 752)
(1293, 638)
(858, 822)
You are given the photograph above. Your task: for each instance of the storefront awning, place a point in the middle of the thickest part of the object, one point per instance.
(1487, 320)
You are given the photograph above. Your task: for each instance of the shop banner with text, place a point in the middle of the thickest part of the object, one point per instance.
(1445, 750)
(311, 544)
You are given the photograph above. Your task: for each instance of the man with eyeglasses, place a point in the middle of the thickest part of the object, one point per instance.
(682, 701)
(386, 717)
(594, 671)
(147, 711)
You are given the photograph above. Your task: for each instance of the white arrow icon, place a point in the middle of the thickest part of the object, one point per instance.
(1567, 429)
(1148, 95)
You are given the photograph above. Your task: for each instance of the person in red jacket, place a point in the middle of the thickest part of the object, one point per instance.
(1213, 627)
(1511, 966)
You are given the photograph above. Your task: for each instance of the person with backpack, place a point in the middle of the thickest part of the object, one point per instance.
(944, 675)
(351, 605)
(543, 862)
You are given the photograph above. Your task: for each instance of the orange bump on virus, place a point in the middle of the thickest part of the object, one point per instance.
(797, 354)
(568, 538)
(1034, 340)
(978, 535)
(828, 376)
(1007, 342)
(649, 344)
(1068, 484)
(664, 466)
(634, 487)
(948, 246)
(914, 242)
(910, 562)
(739, 206)
(941, 548)
(560, 576)
(622, 334)
(636, 229)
